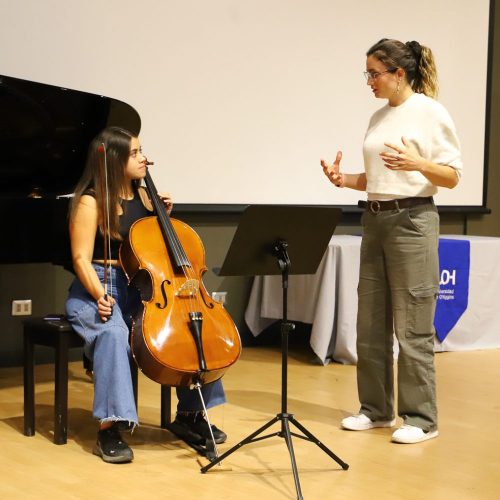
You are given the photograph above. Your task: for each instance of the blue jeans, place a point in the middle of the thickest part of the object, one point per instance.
(107, 346)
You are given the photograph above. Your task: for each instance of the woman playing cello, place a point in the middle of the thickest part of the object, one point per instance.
(101, 303)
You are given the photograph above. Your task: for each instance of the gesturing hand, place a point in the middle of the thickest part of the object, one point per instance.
(405, 158)
(333, 171)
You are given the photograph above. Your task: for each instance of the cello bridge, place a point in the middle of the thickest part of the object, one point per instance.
(188, 288)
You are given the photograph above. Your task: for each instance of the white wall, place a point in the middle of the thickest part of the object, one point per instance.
(240, 99)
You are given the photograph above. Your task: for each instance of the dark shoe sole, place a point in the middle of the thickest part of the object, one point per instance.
(183, 432)
(221, 439)
(125, 457)
(186, 433)
(204, 447)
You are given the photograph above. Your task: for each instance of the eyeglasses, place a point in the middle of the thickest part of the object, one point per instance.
(373, 75)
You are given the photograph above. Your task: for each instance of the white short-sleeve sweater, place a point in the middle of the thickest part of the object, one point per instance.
(425, 123)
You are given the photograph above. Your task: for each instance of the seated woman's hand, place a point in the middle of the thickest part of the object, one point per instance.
(105, 307)
(167, 201)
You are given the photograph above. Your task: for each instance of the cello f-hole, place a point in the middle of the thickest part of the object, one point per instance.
(208, 303)
(163, 294)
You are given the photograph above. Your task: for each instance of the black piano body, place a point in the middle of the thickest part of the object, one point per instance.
(45, 131)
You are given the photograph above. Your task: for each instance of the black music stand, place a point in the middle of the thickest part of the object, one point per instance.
(280, 240)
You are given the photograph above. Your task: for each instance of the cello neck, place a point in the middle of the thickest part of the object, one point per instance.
(172, 242)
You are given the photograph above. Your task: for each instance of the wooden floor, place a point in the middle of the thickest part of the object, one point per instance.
(462, 463)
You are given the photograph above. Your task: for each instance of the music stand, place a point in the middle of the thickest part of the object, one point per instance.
(269, 240)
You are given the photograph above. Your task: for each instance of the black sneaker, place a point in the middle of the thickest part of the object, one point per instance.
(111, 448)
(195, 423)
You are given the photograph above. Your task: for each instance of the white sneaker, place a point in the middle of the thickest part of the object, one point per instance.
(361, 422)
(409, 434)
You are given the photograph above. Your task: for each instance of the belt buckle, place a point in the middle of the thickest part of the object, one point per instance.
(374, 206)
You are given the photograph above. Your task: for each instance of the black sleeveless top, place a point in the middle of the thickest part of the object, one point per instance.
(132, 210)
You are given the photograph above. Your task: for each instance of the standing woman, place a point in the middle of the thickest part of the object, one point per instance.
(101, 304)
(410, 149)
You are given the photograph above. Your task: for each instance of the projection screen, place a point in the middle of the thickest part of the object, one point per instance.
(238, 99)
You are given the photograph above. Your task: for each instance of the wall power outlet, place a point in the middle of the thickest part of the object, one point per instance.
(21, 307)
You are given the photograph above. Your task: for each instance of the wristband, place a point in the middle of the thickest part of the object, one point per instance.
(341, 184)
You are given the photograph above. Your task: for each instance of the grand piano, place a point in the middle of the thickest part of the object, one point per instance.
(45, 131)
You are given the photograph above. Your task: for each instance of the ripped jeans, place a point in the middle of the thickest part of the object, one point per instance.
(107, 346)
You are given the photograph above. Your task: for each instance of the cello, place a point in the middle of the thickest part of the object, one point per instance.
(181, 336)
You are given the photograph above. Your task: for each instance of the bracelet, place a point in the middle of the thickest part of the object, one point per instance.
(341, 184)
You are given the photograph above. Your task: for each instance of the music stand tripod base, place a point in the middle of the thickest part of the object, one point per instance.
(264, 236)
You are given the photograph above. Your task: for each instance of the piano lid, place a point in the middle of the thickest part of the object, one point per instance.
(45, 131)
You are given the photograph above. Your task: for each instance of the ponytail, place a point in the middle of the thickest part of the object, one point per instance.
(417, 61)
(425, 81)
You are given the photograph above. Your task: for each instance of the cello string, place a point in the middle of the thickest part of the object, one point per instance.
(187, 270)
(174, 243)
(187, 303)
(191, 302)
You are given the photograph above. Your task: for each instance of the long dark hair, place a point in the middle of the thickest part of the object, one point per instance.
(116, 142)
(417, 61)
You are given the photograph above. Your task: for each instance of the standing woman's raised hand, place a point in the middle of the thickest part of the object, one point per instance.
(333, 171)
(404, 157)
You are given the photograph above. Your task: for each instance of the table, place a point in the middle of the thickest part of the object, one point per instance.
(328, 301)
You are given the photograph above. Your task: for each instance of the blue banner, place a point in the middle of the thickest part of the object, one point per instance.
(453, 297)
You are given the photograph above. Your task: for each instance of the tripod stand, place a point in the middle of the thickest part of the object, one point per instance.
(280, 252)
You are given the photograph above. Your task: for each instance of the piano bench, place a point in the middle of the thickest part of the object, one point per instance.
(59, 335)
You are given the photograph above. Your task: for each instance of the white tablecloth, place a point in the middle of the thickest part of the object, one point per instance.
(328, 301)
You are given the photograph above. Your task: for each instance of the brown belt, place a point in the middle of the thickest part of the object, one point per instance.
(377, 206)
